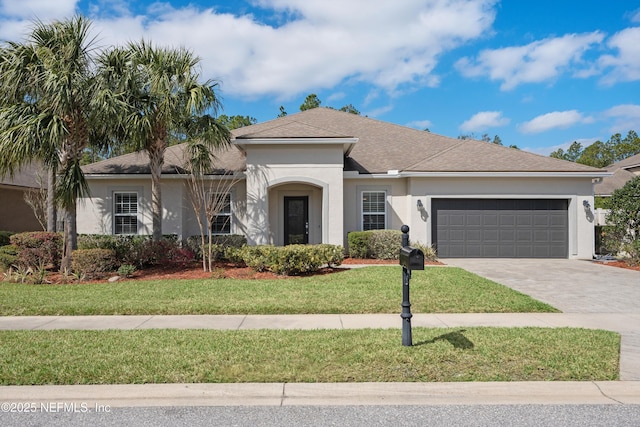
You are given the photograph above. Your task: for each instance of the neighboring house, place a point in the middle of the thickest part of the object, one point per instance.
(314, 176)
(15, 214)
(623, 171)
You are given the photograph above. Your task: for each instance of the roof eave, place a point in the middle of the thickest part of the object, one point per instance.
(458, 174)
(347, 143)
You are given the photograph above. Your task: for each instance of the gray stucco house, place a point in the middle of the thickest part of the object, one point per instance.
(314, 176)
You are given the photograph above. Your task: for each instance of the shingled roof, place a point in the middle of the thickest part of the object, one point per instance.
(621, 174)
(381, 147)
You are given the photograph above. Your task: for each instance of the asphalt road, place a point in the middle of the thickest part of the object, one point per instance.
(344, 416)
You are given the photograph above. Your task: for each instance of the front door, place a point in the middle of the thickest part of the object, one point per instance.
(296, 220)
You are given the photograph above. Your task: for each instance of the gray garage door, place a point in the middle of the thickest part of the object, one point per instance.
(496, 228)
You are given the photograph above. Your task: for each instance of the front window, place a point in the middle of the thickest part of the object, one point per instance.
(374, 210)
(125, 213)
(221, 222)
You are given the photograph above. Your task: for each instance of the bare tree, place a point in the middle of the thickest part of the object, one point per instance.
(209, 193)
(37, 199)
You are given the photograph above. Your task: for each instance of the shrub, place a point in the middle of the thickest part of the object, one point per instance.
(217, 251)
(93, 262)
(140, 251)
(260, 258)
(430, 253)
(331, 255)
(38, 249)
(632, 249)
(225, 241)
(290, 260)
(358, 243)
(5, 238)
(624, 220)
(294, 260)
(8, 256)
(385, 244)
(128, 249)
(162, 252)
(126, 270)
(234, 255)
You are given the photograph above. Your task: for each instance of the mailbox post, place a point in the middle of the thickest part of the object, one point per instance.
(410, 259)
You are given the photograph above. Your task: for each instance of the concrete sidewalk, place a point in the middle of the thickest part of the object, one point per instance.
(619, 322)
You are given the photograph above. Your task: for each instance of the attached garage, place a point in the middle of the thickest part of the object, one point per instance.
(501, 228)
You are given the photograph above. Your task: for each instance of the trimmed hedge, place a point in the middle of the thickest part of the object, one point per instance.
(140, 251)
(358, 242)
(93, 263)
(291, 260)
(222, 241)
(8, 256)
(38, 249)
(377, 244)
(5, 237)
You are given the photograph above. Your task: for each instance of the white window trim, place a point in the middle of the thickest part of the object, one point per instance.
(230, 214)
(363, 213)
(116, 215)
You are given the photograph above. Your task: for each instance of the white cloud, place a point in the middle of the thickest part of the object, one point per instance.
(635, 16)
(317, 43)
(17, 16)
(378, 111)
(420, 124)
(626, 64)
(484, 120)
(42, 9)
(554, 120)
(533, 63)
(626, 117)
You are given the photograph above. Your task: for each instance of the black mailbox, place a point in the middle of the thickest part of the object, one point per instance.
(411, 258)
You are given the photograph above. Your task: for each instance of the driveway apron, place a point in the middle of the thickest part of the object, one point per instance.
(576, 287)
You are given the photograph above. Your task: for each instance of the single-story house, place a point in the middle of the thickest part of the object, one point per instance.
(15, 214)
(314, 176)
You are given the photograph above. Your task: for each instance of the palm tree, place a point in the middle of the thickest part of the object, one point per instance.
(165, 103)
(51, 108)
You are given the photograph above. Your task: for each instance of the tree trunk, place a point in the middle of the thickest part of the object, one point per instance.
(52, 213)
(70, 241)
(156, 160)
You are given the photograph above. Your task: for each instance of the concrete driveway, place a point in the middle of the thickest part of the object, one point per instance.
(594, 295)
(573, 286)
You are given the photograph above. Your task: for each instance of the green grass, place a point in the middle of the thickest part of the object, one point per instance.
(364, 290)
(193, 356)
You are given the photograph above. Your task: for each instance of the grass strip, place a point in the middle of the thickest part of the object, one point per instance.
(365, 355)
(362, 290)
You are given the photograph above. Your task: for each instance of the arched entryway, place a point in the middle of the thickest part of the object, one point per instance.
(296, 213)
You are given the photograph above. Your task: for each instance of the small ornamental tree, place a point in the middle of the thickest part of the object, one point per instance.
(624, 220)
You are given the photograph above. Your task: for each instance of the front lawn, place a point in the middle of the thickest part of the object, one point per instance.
(363, 290)
(195, 356)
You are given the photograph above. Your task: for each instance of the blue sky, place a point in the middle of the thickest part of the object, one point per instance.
(540, 74)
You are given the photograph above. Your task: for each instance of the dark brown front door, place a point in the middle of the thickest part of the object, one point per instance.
(296, 220)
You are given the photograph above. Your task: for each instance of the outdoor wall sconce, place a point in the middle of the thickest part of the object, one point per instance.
(586, 204)
(419, 204)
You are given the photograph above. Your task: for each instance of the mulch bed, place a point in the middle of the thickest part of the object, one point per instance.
(224, 270)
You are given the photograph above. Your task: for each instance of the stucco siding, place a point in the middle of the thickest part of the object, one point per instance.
(15, 214)
(317, 173)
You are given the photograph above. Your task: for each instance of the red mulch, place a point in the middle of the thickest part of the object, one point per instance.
(229, 271)
(622, 264)
(221, 271)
